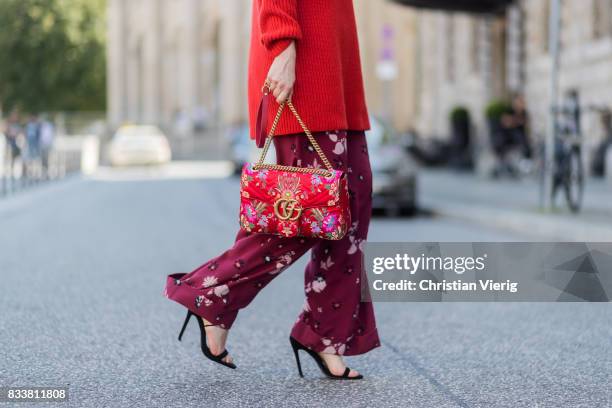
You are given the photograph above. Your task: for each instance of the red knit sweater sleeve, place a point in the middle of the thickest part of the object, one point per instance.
(278, 23)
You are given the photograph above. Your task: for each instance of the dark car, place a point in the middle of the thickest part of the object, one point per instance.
(394, 172)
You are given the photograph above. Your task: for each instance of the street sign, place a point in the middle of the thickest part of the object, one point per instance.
(386, 69)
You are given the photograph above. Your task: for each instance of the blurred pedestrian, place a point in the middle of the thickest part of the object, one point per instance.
(511, 142)
(12, 134)
(598, 163)
(182, 124)
(32, 153)
(571, 111)
(47, 137)
(516, 123)
(306, 51)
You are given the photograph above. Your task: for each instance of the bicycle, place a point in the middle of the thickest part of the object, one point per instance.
(568, 170)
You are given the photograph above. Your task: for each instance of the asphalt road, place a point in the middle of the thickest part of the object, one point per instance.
(82, 269)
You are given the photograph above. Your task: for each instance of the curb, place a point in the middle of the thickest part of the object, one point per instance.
(18, 200)
(543, 226)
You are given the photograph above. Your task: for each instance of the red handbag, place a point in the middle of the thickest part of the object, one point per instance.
(294, 201)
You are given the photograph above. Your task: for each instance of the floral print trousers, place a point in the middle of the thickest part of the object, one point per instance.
(333, 319)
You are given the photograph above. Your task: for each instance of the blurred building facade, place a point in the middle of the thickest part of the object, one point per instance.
(172, 61)
(390, 31)
(461, 64)
(586, 58)
(470, 60)
(178, 61)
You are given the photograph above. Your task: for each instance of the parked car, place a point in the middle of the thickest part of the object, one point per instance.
(394, 172)
(139, 145)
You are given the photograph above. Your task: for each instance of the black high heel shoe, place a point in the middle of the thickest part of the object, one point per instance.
(204, 346)
(297, 346)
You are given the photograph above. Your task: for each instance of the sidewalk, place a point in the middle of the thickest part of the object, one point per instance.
(514, 205)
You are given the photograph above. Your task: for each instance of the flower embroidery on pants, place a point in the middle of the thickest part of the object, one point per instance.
(333, 348)
(199, 300)
(326, 264)
(221, 291)
(283, 262)
(209, 281)
(317, 285)
(340, 144)
(357, 244)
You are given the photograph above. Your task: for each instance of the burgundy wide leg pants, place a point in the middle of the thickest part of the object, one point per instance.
(333, 318)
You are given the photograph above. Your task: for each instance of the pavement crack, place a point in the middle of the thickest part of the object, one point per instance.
(427, 375)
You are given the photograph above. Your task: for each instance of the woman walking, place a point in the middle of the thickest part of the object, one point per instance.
(306, 52)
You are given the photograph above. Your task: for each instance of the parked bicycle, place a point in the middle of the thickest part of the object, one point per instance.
(568, 173)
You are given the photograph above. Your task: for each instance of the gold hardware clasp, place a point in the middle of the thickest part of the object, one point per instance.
(287, 209)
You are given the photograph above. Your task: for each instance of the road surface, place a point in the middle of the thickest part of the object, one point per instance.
(83, 265)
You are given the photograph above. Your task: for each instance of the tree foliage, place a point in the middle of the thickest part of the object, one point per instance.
(52, 55)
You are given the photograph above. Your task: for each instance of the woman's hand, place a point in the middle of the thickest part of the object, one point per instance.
(281, 76)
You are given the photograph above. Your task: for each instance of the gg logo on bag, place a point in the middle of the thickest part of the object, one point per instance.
(287, 209)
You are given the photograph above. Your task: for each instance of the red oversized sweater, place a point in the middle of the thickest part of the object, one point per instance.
(328, 91)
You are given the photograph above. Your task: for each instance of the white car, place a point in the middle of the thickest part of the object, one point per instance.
(139, 145)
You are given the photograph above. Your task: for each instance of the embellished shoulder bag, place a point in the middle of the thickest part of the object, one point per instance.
(293, 201)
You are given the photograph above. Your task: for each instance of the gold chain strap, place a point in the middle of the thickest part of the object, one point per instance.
(261, 165)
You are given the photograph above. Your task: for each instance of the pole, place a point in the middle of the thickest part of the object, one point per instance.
(387, 72)
(553, 91)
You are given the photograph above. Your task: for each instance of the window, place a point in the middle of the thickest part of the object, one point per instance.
(475, 35)
(545, 27)
(450, 48)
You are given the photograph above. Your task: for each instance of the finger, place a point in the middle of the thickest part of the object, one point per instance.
(283, 96)
(277, 91)
(271, 84)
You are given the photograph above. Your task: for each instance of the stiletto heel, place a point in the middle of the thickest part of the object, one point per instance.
(189, 314)
(203, 345)
(297, 346)
(297, 357)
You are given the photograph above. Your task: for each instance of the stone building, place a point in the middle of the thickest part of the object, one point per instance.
(586, 58)
(461, 64)
(394, 99)
(472, 60)
(176, 63)
(173, 61)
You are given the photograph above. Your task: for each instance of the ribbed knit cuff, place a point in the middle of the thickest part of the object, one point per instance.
(278, 22)
(278, 46)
